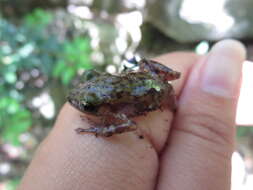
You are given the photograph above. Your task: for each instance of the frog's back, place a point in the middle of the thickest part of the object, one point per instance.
(137, 90)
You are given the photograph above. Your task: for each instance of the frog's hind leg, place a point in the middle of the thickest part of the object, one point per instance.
(126, 126)
(156, 68)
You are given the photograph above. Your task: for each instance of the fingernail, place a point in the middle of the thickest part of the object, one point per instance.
(222, 69)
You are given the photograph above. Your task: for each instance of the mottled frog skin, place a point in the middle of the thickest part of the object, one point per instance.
(117, 98)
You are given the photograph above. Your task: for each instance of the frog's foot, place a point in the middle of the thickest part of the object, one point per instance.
(121, 128)
(159, 69)
(127, 126)
(94, 130)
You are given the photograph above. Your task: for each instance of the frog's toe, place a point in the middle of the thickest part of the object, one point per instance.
(98, 131)
(110, 130)
(89, 130)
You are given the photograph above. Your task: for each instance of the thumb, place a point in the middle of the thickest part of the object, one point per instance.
(202, 138)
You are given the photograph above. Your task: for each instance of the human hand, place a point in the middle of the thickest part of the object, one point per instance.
(189, 150)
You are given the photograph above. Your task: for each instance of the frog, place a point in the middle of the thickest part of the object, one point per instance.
(117, 98)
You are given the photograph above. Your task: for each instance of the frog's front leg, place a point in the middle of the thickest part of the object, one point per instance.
(125, 126)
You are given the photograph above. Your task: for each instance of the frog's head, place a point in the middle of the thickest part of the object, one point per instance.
(82, 105)
(89, 75)
(162, 71)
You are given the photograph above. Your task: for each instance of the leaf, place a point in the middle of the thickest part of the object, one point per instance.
(68, 75)
(16, 124)
(4, 102)
(12, 184)
(22, 121)
(242, 131)
(39, 18)
(10, 77)
(12, 138)
(85, 64)
(10, 105)
(82, 44)
(13, 106)
(69, 49)
(59, 68)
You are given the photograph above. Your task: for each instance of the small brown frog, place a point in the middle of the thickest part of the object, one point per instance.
(116, 98)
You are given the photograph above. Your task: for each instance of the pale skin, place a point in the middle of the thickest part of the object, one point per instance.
(187, 150)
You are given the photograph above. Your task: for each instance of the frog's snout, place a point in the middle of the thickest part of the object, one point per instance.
(176, 75)
(173, 75)
(72, 102)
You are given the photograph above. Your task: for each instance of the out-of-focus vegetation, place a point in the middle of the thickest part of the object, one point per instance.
(31, 55)
(37, 59)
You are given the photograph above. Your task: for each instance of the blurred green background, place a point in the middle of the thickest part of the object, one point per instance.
(45, 44)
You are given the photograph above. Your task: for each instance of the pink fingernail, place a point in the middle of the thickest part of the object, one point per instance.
(223, 67)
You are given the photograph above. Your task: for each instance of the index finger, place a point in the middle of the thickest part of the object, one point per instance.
(66, 160)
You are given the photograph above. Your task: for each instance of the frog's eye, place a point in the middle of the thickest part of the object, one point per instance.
(73, 102)
(89, 108)
(90, 74)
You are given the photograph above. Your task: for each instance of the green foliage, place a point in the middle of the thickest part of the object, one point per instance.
(38, 18)
(33, 45)
(74, 57)
(244, 131)
(12, 184)
(25, 48)
(14, 119)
